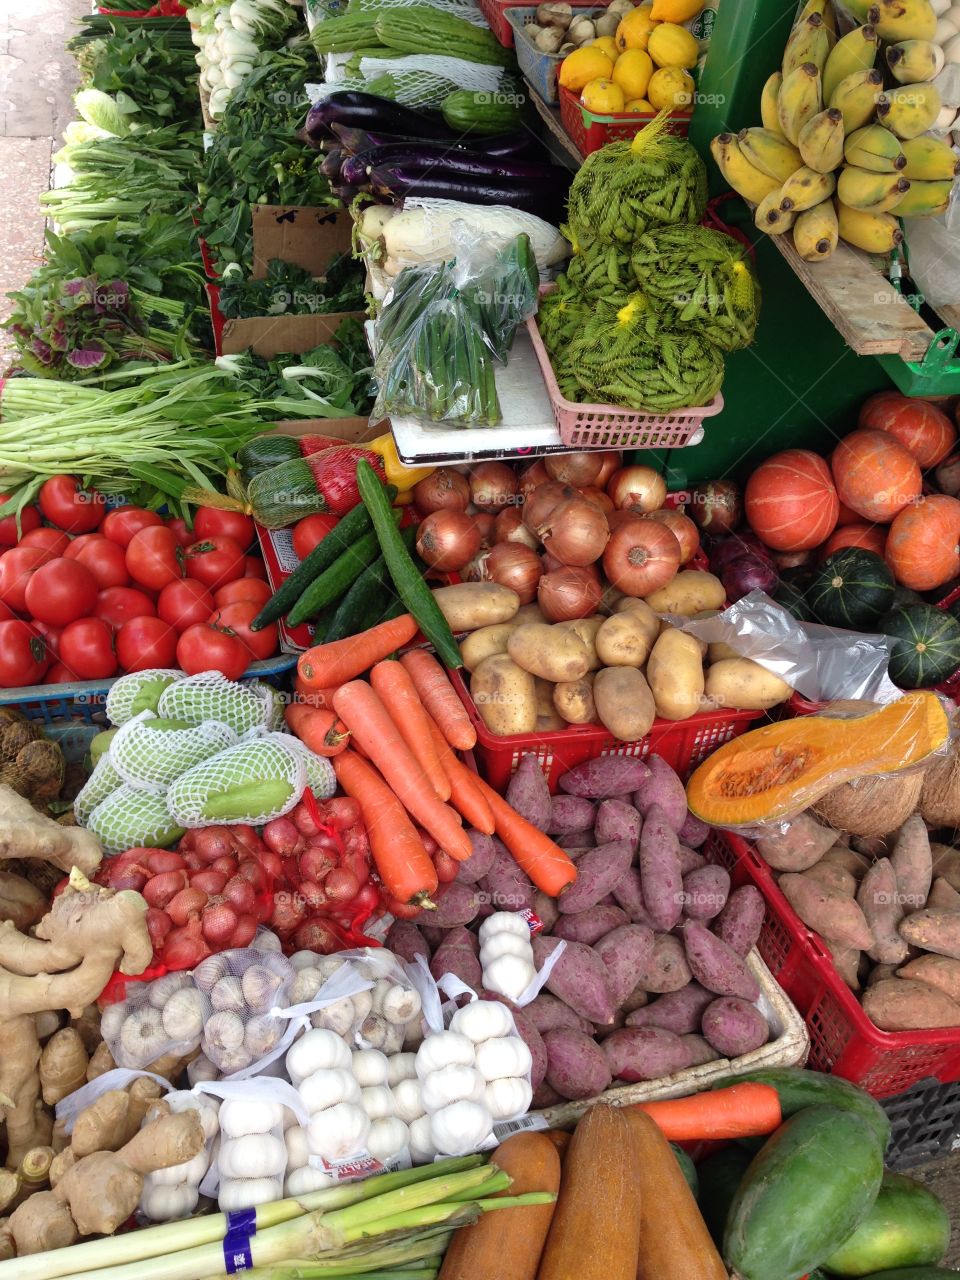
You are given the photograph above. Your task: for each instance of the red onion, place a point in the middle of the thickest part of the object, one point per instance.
(725, 550)
(316, 935)
(251, 871)
(240, 893)
(212, 843)
(159, 925)
(316, 863)
(445, 866)
(577, 469)
(281, 836)
(445, 490)
(368, 899)
(576, 532)
(748, 573)
(186, 903)
(160, 890)
(543, 500)
(288, 911)
(493, 486)
(641, 557)
(185, 947)
(245, 932)
(341, 885)
(568, 593)
(715, 507)
(509, 527)
(227, 866)
(639, 487)
(271, 863)
(446, 540)
(210, 882)
(341, 812)
(304, 820)
(531, 477)
(158, 860)
(511, 565)
(218, 924)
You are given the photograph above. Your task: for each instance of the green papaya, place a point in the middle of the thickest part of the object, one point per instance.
(907, 1226)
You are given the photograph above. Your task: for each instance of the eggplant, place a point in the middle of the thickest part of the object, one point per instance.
(428, 182)
(504, 144)
(347, 193)
(451, 160)
(366, 111)
(331, 166)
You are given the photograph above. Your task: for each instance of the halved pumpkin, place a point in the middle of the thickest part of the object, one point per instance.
(777, 771)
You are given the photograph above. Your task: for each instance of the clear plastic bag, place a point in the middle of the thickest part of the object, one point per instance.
(241, 991)
(156, 1018)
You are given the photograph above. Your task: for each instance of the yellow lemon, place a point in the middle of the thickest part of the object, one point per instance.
(602, 96)
(676, 10)
(641, 105)
(608, 45)
(672, 46)
(635, 27)
(583, 65)
(670, 87)
(632, 72)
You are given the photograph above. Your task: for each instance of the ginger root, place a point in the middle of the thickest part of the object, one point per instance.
(101, 1061)
(63, 1066)
(113, 1119)
(20, 901)
(25, 833)
(40, 1223)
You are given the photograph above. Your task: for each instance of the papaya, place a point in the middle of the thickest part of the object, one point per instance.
(907, 1226)
(778, 770)
(720, 1174)
(807, 1191)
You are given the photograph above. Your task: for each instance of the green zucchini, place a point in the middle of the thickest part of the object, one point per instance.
(412, 589)
(335, 581)
(361, 607)
(907, 1226)
(338, 540)
(808, 1190)
(720, 1175)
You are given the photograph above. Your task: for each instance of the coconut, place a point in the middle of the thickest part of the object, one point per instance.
(871, 806)
(940, 796)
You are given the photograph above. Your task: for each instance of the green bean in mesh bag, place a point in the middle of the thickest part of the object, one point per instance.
(598, 270)
(626, 188)
(701, 278)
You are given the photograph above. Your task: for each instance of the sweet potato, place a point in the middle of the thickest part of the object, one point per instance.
(532, 1038)
(546, 908)
(665, 789)
(912, 864)
(570, 813)
(405, 940)
(694, 831)
(878, 897)
(690, 860)
(668, 969)
(740, 921)
(576, 1065)
(833, 876)
(507, 887)
(946, 864)
(902, 1004)
(626, 952)
(456, 904)
(942, 972)
(700, 1051)
(846, 961)
(734, 1027)
(677, 1011)
(528, 794)
(879, 972)
(547, 1013)
(544, 1096)
(598, 873)
(629, 895)
(848, 859)
(705, 892)
(576, 842)
(936, 931)
(617, 821)
(605, 777)
(660, 869)
(831, 914)
(715, 965)
(943, 896)
(474, 868)
(458, 954)
(644, 1053)
(590, 925)
(804, 843)
(637, 999)
(579, 978)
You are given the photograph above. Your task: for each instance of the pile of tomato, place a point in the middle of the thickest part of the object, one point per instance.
(88, 591)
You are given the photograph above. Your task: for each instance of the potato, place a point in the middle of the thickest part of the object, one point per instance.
(549, 719)
(675, 674)
(715, 965)
(718, 651)
(734, 1027)
(741, 684)
(579, 978)
(624, 702)
(505, 696)
(576, 1066)
(573, 700)
(691, 591)
(644, 1053)
(626, 638)
(589, 926)
(587, 629)
(901, 1004)
(626, 952)
(484, 643)
(553, 653)
(468, 606)
(677, 1011)
(528, 613)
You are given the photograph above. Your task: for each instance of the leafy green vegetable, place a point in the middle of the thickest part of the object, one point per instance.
(290, 290)
(153, 67)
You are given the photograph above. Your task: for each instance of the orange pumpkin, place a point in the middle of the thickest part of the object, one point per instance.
(871, 537)
(922, 428)
(790, 501)
(846, 516)
(923, 545)
(875, 475)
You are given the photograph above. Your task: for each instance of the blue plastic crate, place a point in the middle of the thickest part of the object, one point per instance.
(539, 69)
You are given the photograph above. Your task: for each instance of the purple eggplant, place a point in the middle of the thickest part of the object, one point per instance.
(331, 166)
(449, 160)
(505, 144)
(367, 111)
(428, 182)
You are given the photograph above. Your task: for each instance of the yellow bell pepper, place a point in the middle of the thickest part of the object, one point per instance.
(397, 474)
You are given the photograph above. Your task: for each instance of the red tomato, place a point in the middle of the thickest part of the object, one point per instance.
(185, 534)
(49, 634)
(86, 647)
(106, 560)
(254, 589)
(16, 566)
(61, 591)
(122, 523)
(52, 540)
(9, 534)
(214, 561)
(311, 530)
(204, 647)
(237, 618)
(154, 557)
(253, 567)
(209, 521)
(23, 656)
(69, 507)
(146, 642)
(59, 674)
(6, 613)
(76, 545)
(183, 603)
(117, 605)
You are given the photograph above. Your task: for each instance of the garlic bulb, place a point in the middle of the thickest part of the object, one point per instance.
(509, 976)
(252, 1115)
(402, 1066)
(451, 1084)
(161, 1203)
(422, 1148)
(161, 989)
(256, 1155)
(299, 1181)
(298, 1152)
(370, 1067)
(505, 1056)
(339, 1131)
(228, 995)
(316, 1050)
(408, 1099)
(444, 1049)
(506, 1099)
(244, 1193)
(504, 922)
(305, 985)
(482, 1020)
(328, 1087)
(460, 1128)
(504, 944)
(388, 1136)
(260, 986)
(183, 1015)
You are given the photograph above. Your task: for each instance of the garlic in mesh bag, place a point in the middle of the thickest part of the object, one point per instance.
(240, 989)
(156, 1018)
(138, 691)
(249, 783)
(211, 696)
(130, 818)
(149, 752)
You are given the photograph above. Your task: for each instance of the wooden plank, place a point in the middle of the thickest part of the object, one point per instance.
(950, 315)
(564, 147)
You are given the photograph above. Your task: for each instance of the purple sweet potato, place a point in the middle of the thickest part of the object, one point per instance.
(626, 952)
(677, 1011)
(579, 978)
(690, 860)
(576, 842)
(665, 790)
(569, 814)
(617, 821)
(700, 1051)
(547, 1013)
(668, 969)
(458, 954)
(598, 872)
(576, 1065)
(629, 894)
(644, 1053)
(740, 921)
(590, 925)
(405, 940)
(532, 1038)
(474, 868)
(715, 965)
(705, 892)
(546, 908)
(637, 999)
(506, 886)
(528, 794)
(544, 1097)
(694, 831)
(456, 904)
(734, 1027)
(431, 933)
(604, 777)
(660, 869)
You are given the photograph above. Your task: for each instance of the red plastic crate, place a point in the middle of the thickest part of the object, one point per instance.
(843, 1040)
(495, 13)
(590, 131)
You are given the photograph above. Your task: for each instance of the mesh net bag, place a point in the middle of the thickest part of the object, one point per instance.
(130, 818)
(599, 270)
(210, 696)
(468, 12)
(156, 1018)
(150, 753)
(139, 691)
(238, 990)
(249, 783)
(320, 777)
(273, 701)
(102, 783)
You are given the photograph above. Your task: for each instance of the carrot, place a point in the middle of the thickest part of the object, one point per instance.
(329, 664)
(402, 863)
(465, 794)
(544, 862)
(440, 698)
(741, 1111)
(313, 697)
(360, 709)
(318, 729)
(397, 693)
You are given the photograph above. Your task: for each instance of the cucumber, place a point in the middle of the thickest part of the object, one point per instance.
(687, 1166)
(465, 109)
(798, 1089)
(807, 1191)
(335, 581)
(363, 604)
(907, 1226)
(720, 1175)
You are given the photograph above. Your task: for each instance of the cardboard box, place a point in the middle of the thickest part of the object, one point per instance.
(339, 430)
(271, 336)
(304, 235)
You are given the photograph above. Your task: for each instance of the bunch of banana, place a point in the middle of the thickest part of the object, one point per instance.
(843, 151)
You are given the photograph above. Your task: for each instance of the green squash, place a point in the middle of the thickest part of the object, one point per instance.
(794, 600)
(907, 1227)
(853, 588)
(926, 648)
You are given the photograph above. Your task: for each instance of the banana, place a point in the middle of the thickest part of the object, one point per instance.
(874, 192)
(929, 159)
(914, 61)
(875, 148)
(805, 188)
(798, 100)
(745, 179)
(924, 200)
(856, 51)
(769, 217)
(824, 8)
(905, 20)
(809, 41)
(769, 152)
(821, 141)
(872, 232)
(909, 109)
(815, 232)
(768, 102)
(856, 96)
